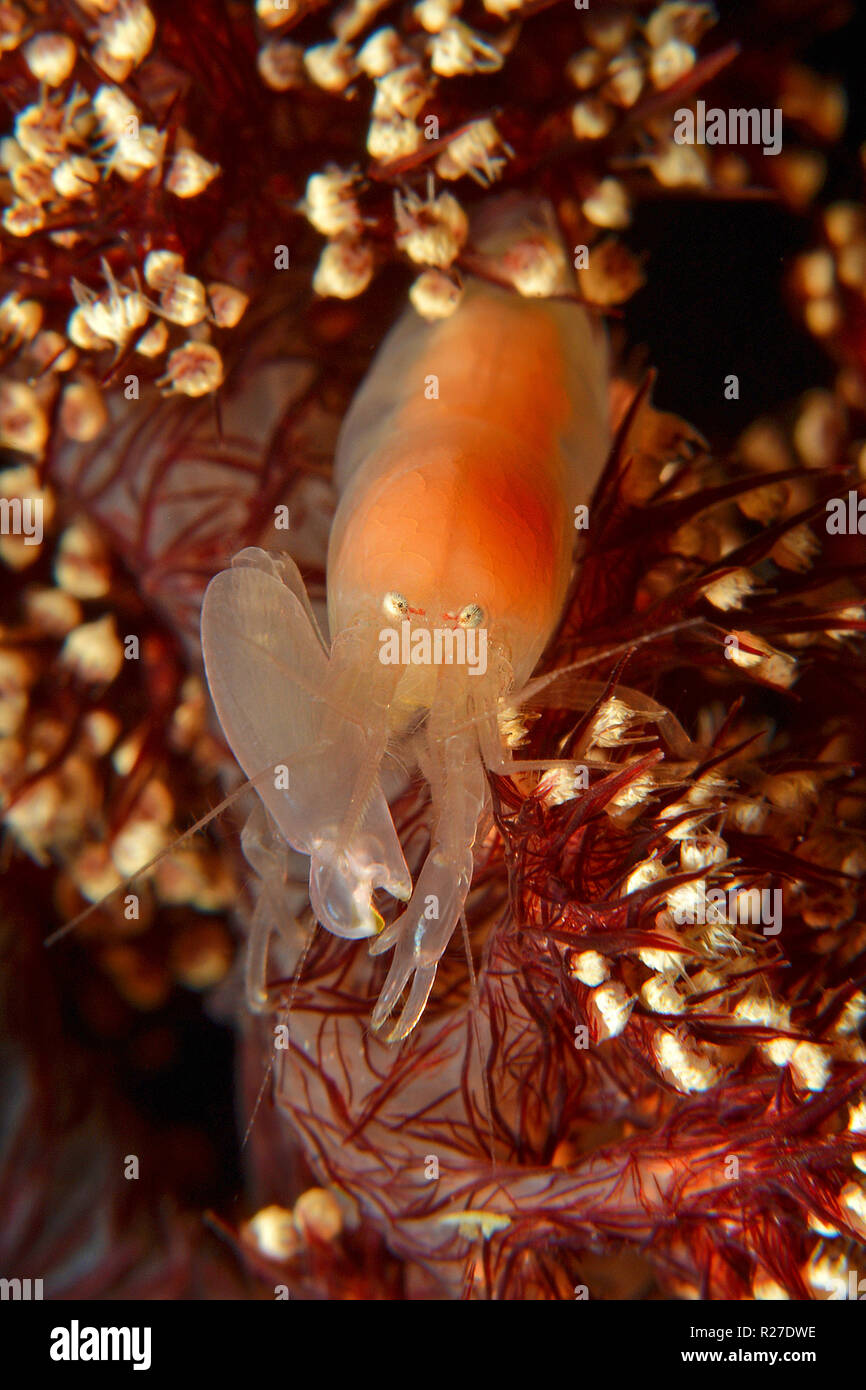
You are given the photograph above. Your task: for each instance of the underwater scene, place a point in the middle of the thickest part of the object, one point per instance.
(432, 666)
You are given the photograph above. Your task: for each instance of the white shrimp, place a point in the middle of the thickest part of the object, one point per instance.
(460, 466)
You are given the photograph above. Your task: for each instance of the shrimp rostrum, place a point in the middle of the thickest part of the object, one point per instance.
(459, 467)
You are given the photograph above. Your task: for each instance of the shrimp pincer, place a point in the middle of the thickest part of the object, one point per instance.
(460, 466)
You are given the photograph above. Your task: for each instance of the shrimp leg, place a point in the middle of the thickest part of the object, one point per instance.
(453, 767)
(268, 854)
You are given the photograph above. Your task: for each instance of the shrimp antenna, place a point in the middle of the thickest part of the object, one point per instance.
(539, 683)
(533, 688)
(69, 927)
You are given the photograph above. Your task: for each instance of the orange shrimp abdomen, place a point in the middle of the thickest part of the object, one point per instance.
(464, 477)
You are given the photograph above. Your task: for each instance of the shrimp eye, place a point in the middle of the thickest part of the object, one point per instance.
(471, 616)
(395, 605)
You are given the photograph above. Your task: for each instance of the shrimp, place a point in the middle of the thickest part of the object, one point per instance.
(459, 467)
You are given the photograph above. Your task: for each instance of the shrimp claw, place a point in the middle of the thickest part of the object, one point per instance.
(314, 751)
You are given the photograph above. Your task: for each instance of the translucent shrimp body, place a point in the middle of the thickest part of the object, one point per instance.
(459, 466)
